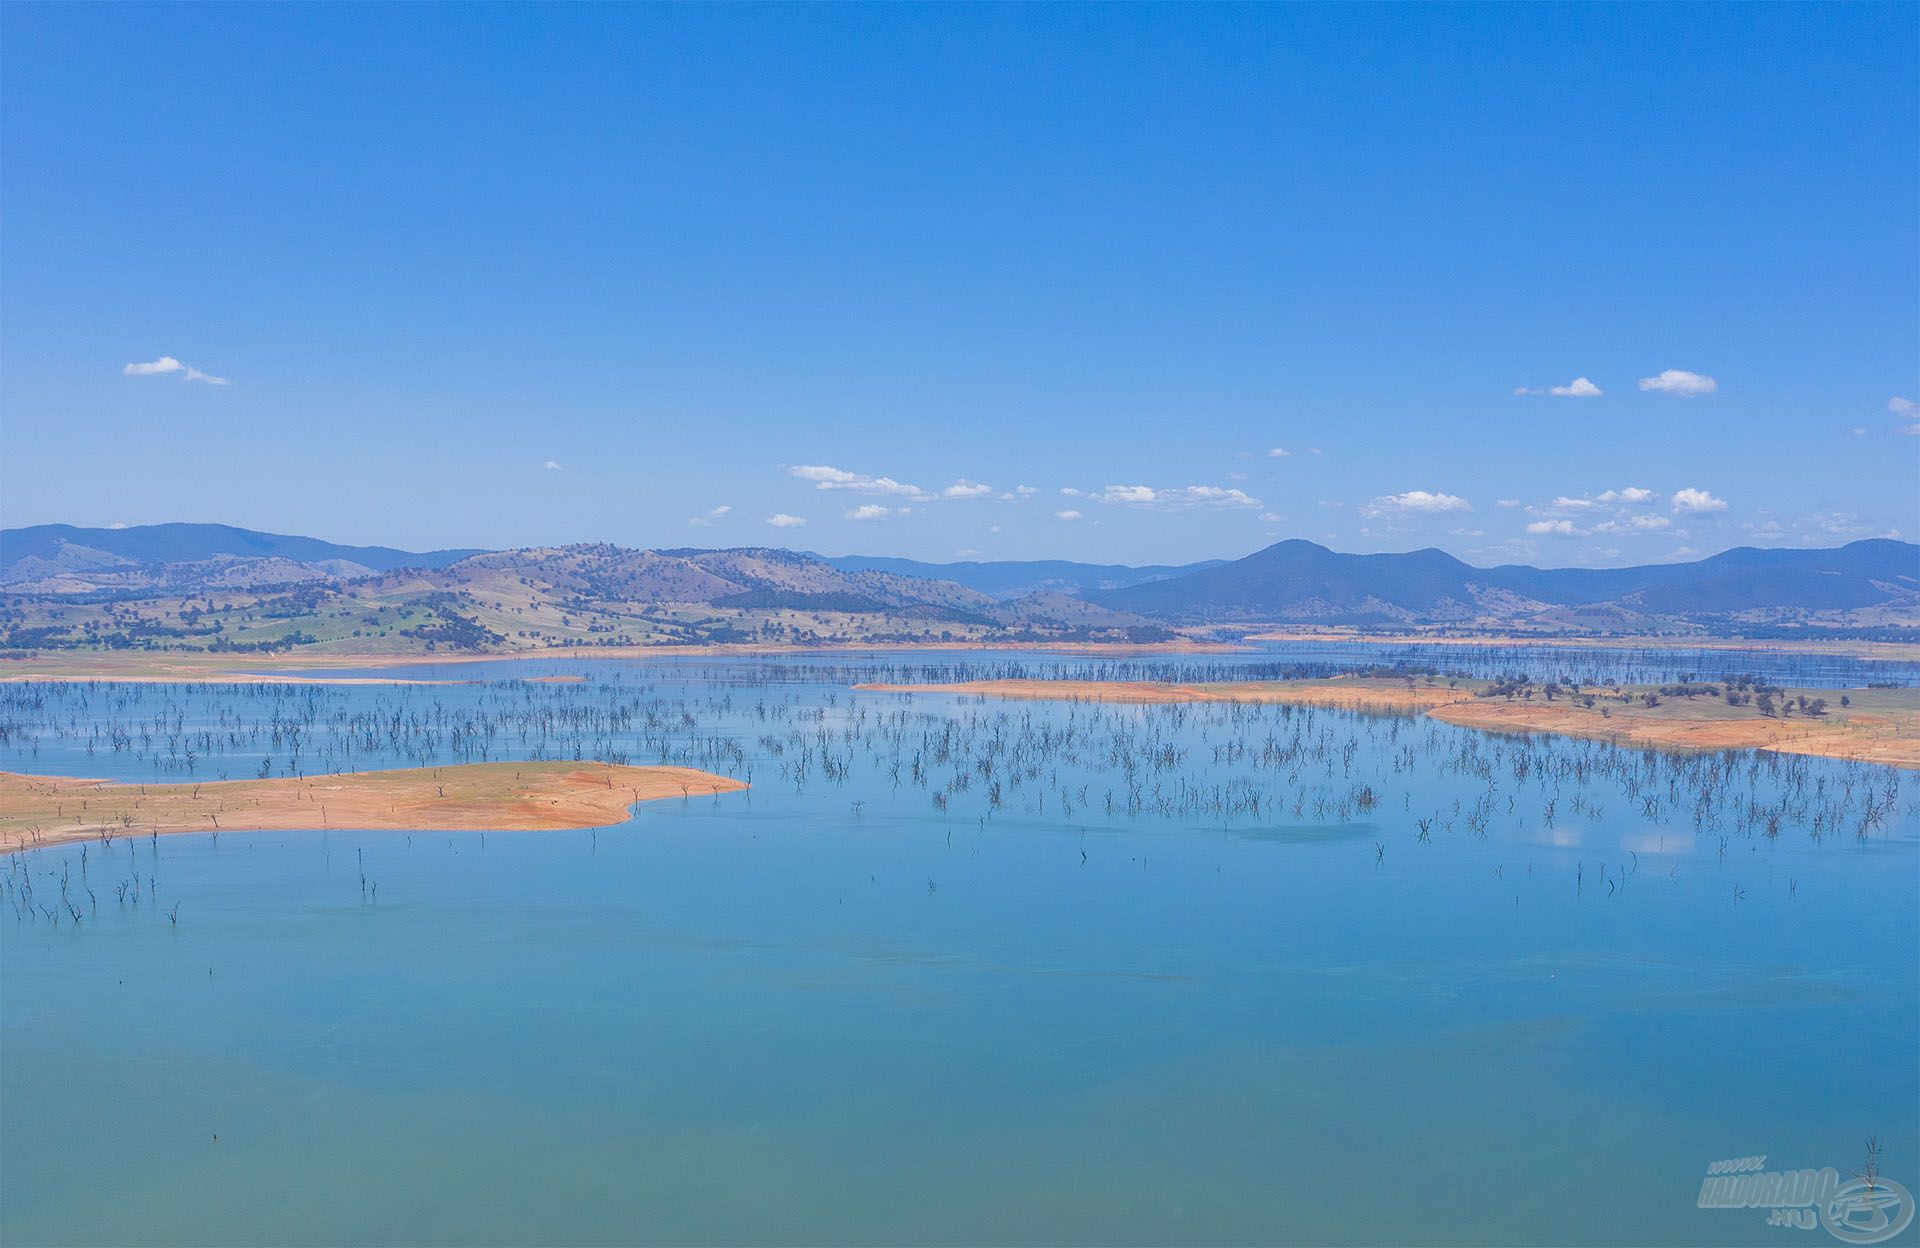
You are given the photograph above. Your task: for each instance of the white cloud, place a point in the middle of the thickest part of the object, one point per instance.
(820, 472)
(867, 511)
(829, 478)
(781, 520)
(1414, 501)
(1631, 494)
(1690, 500)
(1505, 503)
(1903, 407)
(1578, 388)
(1278, 452)
(1025, 491)
(1633, 524)
(118, 524)
(1272, 517)
(964, 488)
(1175, 498)
(167, 364)
(1562, 528)
(552, 465)
(1069, 514)
(1680, 382)
(706, 521)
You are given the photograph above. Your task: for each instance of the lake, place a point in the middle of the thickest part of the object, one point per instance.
(954, 971)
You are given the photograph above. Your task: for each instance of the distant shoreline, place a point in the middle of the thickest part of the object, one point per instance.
(202, 666)
(1893, 651)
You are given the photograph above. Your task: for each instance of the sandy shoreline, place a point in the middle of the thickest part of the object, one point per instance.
(203, 667)
(199, 666)
(1892, 651)
(38, 811)
(1883, 726)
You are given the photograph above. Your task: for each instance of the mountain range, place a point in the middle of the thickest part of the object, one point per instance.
(1299, 581)
(223, 587)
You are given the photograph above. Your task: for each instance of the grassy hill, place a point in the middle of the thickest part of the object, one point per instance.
(212, 587)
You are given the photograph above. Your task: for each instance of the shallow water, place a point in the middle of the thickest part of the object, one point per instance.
(1246, 1004)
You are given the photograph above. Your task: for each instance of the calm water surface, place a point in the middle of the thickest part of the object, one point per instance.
(1193, 976)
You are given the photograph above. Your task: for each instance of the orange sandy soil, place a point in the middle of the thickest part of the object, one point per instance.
(1890, 736)
(38, 811)
(1902, 651)
(201, 667)
(1883, 725)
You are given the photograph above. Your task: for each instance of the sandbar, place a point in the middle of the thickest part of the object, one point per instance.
(1882, 725)
(38, 811)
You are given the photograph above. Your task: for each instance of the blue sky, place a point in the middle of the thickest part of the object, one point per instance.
(659, 276)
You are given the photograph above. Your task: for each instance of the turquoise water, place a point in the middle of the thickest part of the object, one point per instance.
(1249, 1001)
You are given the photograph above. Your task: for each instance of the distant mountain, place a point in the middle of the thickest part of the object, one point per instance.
(1746, 578)
(64, 547)
(1304, 582)
(757, 576)
(217, 587)
(538, 598)
(1016, 578)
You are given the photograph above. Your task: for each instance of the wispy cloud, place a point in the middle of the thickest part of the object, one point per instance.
(1414, 502)
(1278, 452)
(1566, 503)
(1690, 500)
(552, 465)
(1906, 409)
(706, 520)
(1175, 498)
(1633, 524)
(964, 488)
(781, 520)
(867, 511)
(1068, 514)
(1560, 528)
(1681, 383)
(1578, 388)
(1629, 494)
(825, 477)
(167, 365)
